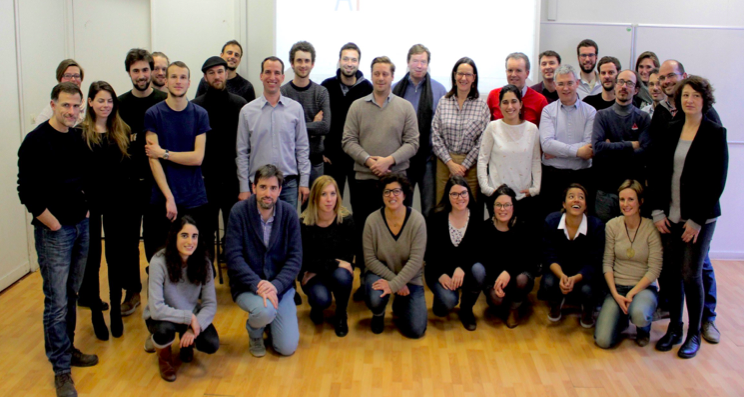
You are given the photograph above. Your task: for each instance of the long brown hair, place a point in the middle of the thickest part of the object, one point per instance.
(118, 130)
(197, 265)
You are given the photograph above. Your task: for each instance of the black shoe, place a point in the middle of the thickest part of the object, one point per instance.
(378, 324)
(99, 326)
(341, 326)
(297, 299)
(101, 305)
(691, 346)
(186, 354)
(65, 386)
(117, 326)
(467, 319)
(642, 338)
(80, 359)
(672, 337)
(358, 294)
(316, 315)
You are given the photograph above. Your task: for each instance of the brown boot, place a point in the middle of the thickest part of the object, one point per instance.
(165, 362)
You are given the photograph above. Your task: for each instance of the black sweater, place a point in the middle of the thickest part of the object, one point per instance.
(321, 246)
(340, 104)
(132, 110)
(51, 174)
(236, 86)
(442, 257)
(220, 153)
(512, 251)
(703, 177)
(110, 176)
(583, 254)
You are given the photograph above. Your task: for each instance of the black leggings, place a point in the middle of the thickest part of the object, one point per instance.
(164, 333)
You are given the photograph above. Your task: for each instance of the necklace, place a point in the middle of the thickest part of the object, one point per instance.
(630, 251)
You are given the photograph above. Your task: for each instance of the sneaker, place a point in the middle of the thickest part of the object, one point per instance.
(80, 359)
(642, 338)
(256, 347)
(710, 332)
(378, 324)
(149, 346)
(186, 354)
(554, 315)
(65, 386)
(130, 304)
(587, 317)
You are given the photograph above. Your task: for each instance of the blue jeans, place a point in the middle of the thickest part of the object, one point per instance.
(709, 286)
(290, 190)
(320, 287)
(446, 300)
(62, 256)
(551, 290)
(410, 309)
(612, 321)
(285, 332)
(425, 176)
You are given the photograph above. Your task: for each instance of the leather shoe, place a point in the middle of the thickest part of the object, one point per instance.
(691, 346)
(378, 324)
(341, 326)
(672, 337)
(467, 319)
(710, 332)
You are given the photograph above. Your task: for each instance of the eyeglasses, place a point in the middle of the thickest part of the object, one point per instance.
(626, 83)
(394, 192)
(503, 206)
(669, 76)
(463, 194)
(71, 76)
(466, 75)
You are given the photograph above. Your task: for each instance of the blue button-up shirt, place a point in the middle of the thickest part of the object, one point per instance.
(563, 130)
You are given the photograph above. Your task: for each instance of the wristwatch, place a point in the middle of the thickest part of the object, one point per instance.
(166, 155)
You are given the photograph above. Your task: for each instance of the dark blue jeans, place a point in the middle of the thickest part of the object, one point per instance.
(410, 309)
(446, 300)
(290, 190)
(684, 275)
(551, 290)
(320, 287)
(62, 256)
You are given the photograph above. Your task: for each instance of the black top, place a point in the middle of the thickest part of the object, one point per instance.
(220, 153)
(51, 174)
(132, 111)
(442, 257)
(321, 246)
(237, 86)
(703, 177)
(597, 102)
(110, 175)
(512, 251)
(583, 254)
(550, 96)
(340, 104)
(662, 117)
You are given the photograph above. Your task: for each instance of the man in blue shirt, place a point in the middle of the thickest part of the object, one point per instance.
(176, 138)
(424, 93)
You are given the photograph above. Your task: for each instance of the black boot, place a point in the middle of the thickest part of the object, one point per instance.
(99, 325)
(341, 325)
(672, 337)
(117, 326)
(691, 346)
(466, 309)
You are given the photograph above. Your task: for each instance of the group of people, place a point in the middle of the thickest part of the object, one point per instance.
(610, 172)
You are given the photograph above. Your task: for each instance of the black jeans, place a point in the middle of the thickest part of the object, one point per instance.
(164, 333)
(320, 287)
(157, 225)
(222, 197)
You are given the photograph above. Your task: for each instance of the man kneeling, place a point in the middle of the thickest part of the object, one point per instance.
(264, 256)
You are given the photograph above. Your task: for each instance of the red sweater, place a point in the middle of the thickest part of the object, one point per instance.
(533, 103)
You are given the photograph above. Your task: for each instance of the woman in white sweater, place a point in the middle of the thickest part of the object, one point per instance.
(510, 154)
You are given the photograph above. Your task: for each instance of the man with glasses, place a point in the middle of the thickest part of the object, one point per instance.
(566, 139)
(608, 68)
(424, 93)
(549, 62)
(587, 52)
(620, 141)
(657, 94)
(232, 53)
(68, 71)
(670, 73)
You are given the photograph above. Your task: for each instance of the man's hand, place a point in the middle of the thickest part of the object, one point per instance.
(382, 285)
(244, 196)
(304, 194)
(585, 152)
(49, 220)
(153, 150)
(636, 145)
(403, 291)
(171, 212)
(382, 166)
(318, 117)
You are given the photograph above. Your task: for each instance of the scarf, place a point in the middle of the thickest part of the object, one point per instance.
(425, 113)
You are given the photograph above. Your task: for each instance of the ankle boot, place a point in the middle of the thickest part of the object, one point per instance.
(99, 325)
(165, 363)
(691, 346)
(466, 310)
(672, 337)
(117, 327)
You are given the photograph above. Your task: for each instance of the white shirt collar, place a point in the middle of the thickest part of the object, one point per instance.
(583, 227)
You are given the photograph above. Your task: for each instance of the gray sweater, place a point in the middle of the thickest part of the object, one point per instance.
(647, 258)
(313, 99)
(397, 261)
(175, 302)
(371, 130)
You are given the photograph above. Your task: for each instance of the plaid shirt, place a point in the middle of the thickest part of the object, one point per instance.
(456, 130)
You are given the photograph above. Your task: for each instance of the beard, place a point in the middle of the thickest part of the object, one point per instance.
(608, 89)
(221, 86)
(232, 69)
(155, 83)
(345, 73)
(585, 70)
(174, 95)
(136, 86)
(266, 206)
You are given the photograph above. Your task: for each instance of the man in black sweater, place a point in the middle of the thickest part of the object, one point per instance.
(52, 162)
(348, 86)
(219, 168)
(608, 68)
(232, 53)
(132, 107)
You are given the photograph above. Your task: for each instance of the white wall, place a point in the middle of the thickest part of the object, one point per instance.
(14, 261)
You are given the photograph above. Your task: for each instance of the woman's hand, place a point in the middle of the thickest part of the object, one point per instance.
(446, 282)
(195, 327)
(526, 192)
(623, 301)
(307, 277)
(501, 282)
(382, 285)
(457, 278)
(663, 226)
(566, 284)
(187, 339)
(345, 265)
(456, 169)
(690, 233)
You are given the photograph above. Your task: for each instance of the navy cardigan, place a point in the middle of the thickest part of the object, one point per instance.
(583, 254)
(249, 261)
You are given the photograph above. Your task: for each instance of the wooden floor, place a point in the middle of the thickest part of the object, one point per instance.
(535, 359)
